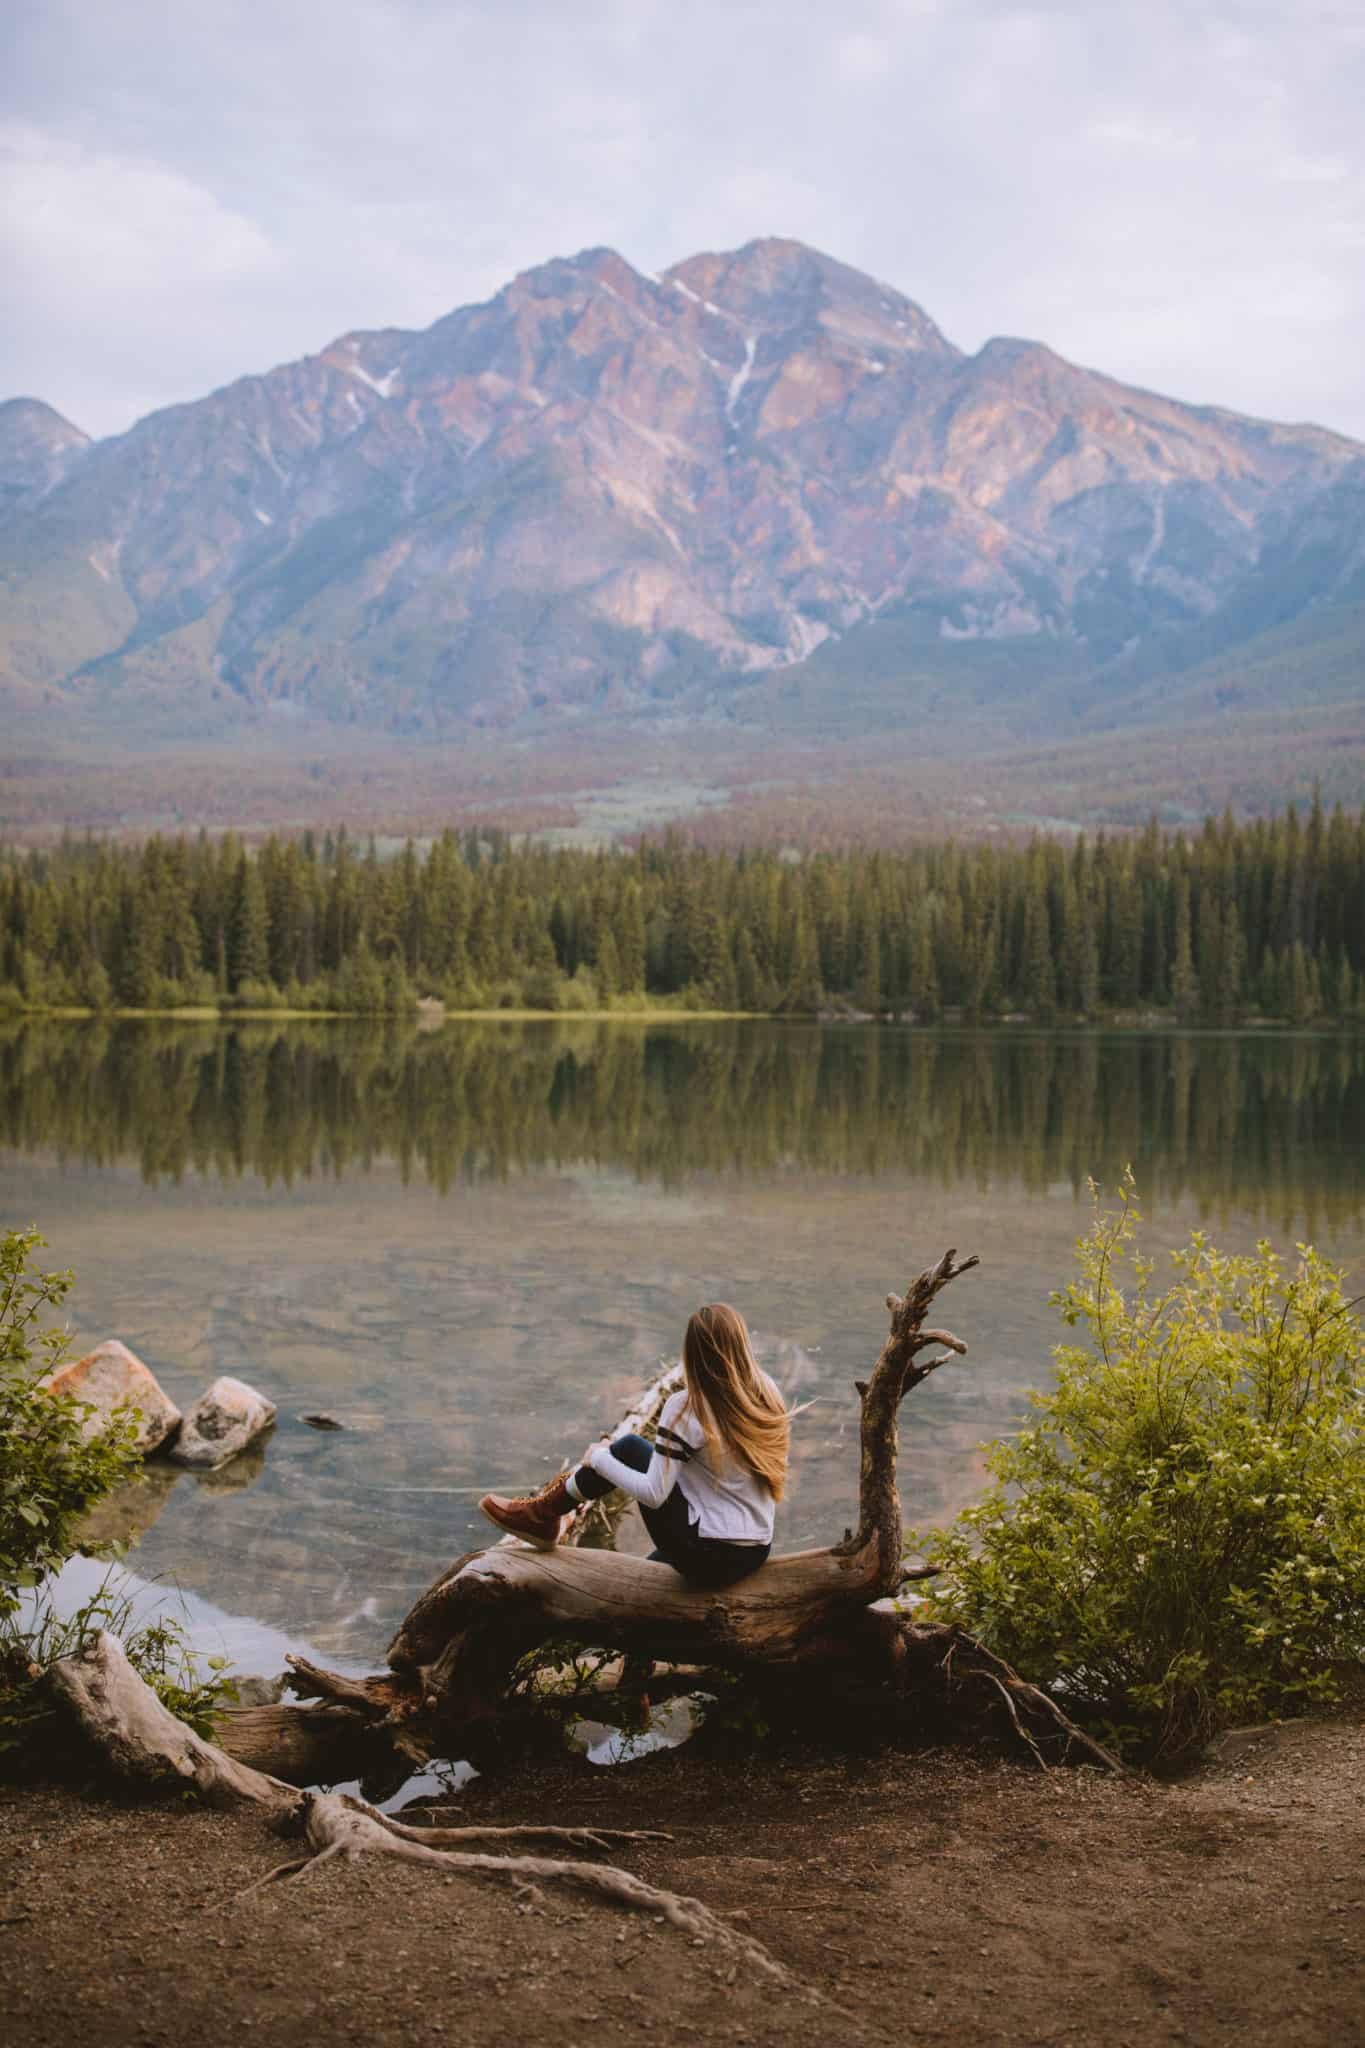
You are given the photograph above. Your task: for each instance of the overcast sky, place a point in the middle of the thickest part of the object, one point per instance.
(190, 189)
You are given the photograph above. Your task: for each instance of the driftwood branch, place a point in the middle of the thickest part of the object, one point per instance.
(596, 1522)
(123, 1718)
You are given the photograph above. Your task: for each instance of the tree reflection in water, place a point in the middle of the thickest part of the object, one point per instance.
(1272, 1120)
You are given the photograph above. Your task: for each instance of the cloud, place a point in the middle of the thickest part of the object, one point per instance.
(1174, 195)
(861, 57)
(108, 257)
(98, 219)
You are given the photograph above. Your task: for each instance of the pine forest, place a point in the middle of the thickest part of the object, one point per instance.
(1261, 919)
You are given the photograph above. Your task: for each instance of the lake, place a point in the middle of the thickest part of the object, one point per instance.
(471, 1245)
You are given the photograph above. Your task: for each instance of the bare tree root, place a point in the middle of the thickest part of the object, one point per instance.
(972, 1677)
(123, 1718)
(338, 1826)
(528, 1837)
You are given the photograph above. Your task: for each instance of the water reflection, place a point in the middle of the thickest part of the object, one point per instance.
(1222, 1118)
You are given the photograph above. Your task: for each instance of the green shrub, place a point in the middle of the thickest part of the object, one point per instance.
(49, 1473)
(255, 995)
(1178, 1540)
(50, 1476)
(580, 992)
(541, 988)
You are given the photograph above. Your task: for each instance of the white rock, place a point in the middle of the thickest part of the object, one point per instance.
(221, 1423)
(110, 1377)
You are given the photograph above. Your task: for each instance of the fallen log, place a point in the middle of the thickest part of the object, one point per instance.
(365, 1728)
(121, 1717)
(475, 1646)
(482, 1615)
(455, 1660)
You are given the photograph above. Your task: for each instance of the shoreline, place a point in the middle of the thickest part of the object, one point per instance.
(424, 1015)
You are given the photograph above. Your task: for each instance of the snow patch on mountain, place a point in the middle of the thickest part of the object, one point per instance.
(741, 377)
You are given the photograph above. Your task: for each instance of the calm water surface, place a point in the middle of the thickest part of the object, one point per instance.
(471, 1246)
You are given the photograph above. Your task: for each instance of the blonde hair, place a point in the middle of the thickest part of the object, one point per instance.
(739, 1412)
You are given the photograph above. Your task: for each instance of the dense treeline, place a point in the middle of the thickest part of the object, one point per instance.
(1259, 918)
(1239, 1119)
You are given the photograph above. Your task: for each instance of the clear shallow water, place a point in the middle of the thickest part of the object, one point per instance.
(471, 1246)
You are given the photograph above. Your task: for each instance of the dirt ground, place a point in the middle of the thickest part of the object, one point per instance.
(923, 1897)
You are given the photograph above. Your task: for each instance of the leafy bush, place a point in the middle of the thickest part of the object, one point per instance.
(1178, 1540)
(50, 1474)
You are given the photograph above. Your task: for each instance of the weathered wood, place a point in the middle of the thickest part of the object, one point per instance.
(143, 1741)
(304, 1745)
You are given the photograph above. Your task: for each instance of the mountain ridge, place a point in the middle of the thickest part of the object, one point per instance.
(604, 492)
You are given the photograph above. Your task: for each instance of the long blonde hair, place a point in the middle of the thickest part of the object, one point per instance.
(734, 1404)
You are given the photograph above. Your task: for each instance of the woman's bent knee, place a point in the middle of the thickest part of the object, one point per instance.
(633, 1451)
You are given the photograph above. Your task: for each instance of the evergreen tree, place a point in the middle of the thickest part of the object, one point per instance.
(924, 984)
(749, 992)
(981, 965)
(1038, 989)
(630, 943)
(249, 956)
(1184, 982)
(608, 966)
(805, 993)
(1208, 924)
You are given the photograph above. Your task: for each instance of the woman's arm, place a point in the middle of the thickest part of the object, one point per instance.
(676, 1443)
(650, 1487)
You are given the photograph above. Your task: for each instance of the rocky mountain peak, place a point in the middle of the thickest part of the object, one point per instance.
(599, 486)
(776, 285)
(37, 448)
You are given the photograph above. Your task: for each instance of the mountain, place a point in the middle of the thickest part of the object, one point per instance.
(605, 491)
(37, 449)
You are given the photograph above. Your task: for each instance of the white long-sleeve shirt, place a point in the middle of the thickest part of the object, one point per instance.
(728, 1502)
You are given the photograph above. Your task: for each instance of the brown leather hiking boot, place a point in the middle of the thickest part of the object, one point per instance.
(538, 1517)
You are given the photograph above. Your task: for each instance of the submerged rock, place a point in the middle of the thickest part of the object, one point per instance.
(239, 1473)
(129, 1512)
(221, 1423)
(111, 1377)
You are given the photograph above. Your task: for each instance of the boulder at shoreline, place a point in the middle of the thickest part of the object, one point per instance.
(110, 1377)
(222, 1423)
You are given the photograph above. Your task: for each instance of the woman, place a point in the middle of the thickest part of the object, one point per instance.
(708, 1487)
